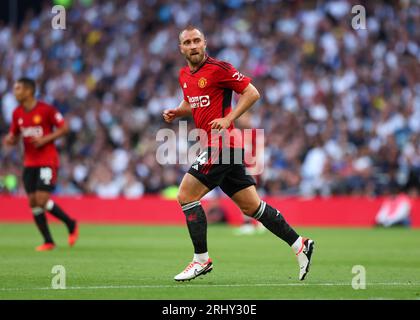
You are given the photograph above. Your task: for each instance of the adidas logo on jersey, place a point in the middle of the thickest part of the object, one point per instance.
(185, 85)
(195, 166)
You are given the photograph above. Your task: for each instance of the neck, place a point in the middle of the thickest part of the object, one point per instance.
(29, 103)
(194, 67)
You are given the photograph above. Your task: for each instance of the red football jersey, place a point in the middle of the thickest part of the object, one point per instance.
(208, 90)
(38, 122)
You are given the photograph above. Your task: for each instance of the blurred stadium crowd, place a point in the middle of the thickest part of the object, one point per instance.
(340, 107)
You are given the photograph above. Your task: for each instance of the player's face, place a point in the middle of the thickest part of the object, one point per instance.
(21, 92)
(192, 46)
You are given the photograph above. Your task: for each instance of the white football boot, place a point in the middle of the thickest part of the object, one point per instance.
(194, 269)
(304, 257)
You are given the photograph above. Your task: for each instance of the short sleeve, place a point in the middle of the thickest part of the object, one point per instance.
(14, 127)
(56, 117)
(232, 79)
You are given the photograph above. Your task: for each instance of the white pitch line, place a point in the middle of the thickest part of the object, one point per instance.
(181, 285)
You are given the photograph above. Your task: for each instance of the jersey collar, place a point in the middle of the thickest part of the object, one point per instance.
(33, 108)
(202, 64)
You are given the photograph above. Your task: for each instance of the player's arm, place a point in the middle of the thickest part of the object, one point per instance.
(12, 138)
(247, 98)
(183, 110)
(57, 133)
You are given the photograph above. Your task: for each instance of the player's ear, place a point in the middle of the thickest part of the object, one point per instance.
(180, 48)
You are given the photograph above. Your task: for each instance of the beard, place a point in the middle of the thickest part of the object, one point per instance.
(195, 59)
(19, 99)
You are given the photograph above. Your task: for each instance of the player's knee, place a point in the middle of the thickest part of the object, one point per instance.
(32, 202)
(184, 197)
(249, 209)
(41, 202)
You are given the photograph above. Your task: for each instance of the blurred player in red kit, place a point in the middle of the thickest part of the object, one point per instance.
(34, 121)
(207, 85)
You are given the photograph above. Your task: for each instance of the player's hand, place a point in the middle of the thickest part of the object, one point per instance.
(10, 140)
(39, 142)
(169, 115)
(220, 123)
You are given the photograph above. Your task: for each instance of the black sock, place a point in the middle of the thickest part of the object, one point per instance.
(42, 224)
(197, 225)
(274, 221)
(57, 212)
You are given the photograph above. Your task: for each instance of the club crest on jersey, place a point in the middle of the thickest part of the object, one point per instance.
(37, 119)
(202, 82)
(185, 85)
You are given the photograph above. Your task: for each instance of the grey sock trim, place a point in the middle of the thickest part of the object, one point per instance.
(37, 211)
(190, 205)
(260, 211)
(49, 205)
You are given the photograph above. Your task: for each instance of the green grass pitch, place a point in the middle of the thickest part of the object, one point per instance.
(139, 262)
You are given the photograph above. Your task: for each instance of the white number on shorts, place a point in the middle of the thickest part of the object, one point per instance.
(46, 175)
(201, 159)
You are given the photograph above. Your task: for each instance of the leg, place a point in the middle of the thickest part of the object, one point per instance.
(29, 177)
(43, 199)
(204, 174)
(250, 204)
(190, 192)
(40, 219)
(191, 189)
(45, 185)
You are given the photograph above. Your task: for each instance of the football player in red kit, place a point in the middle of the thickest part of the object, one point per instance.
(34, 121)
(207, 84)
